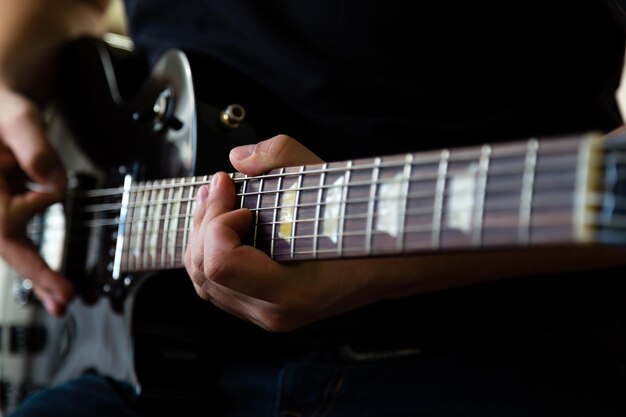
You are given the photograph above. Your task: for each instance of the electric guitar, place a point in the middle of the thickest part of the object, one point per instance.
(124, 220)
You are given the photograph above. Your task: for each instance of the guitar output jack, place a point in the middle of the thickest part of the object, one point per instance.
(232, 116)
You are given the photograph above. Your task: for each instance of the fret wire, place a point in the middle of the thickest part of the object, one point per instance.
(154, 226)
(174, 226)
(372, 205)
(189, 215)
(127, 252)
(145, 215)
(157, 223)
(146, 230)
(295, 211)
(148, 238)
(318, 209)
(257, 212)
(440, 191)
(166, 222)
(278, 194)
(343, 206)
(241, 195)
(405, 192)
(133, 248)
(528, 180)
(483, 170)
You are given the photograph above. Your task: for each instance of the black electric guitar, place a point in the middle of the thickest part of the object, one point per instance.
(518, 194)
(125, 219)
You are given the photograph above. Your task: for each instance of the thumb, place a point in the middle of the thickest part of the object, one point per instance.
(277, 152)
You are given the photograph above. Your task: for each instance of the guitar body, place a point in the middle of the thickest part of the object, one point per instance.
(117, 118)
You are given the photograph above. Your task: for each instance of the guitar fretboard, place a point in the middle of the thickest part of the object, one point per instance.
(511, 194)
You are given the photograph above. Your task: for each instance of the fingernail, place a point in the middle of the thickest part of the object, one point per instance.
(215, 181)
(242, 152)
(203, 193)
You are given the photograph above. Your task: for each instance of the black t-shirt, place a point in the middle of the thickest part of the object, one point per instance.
(356, 78)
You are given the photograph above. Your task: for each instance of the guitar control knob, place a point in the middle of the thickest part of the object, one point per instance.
(232, 116)
(23, 291)
(161, 115)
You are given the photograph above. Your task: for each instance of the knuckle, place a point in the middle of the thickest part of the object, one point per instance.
(281, 145)
(275, 146)
(213, 270)
(202, 293)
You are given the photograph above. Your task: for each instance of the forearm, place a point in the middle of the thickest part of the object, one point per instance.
(31, 31)
(381, 279)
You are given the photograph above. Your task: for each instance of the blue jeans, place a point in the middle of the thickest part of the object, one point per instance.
(333, 382)
(90, 395)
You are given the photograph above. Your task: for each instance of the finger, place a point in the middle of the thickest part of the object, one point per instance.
(209, 246)
(22, 131)
(7, 158)
(221, 197)
(222, 200)
(212, 201)
(52, 289)
(25, 206)
(199, 208)
(229, 301)
(277, 152)
(16, 211)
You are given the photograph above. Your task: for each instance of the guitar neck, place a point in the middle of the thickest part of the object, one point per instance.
(511, 194)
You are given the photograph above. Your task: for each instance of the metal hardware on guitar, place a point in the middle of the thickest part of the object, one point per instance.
(232, 116)
(23, 337)
(38, 351)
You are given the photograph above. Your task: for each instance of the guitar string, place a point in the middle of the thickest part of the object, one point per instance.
(418, 161)
(458, 241)
(426, 213)
(496, 186)
(555, 193)
(172, 184)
